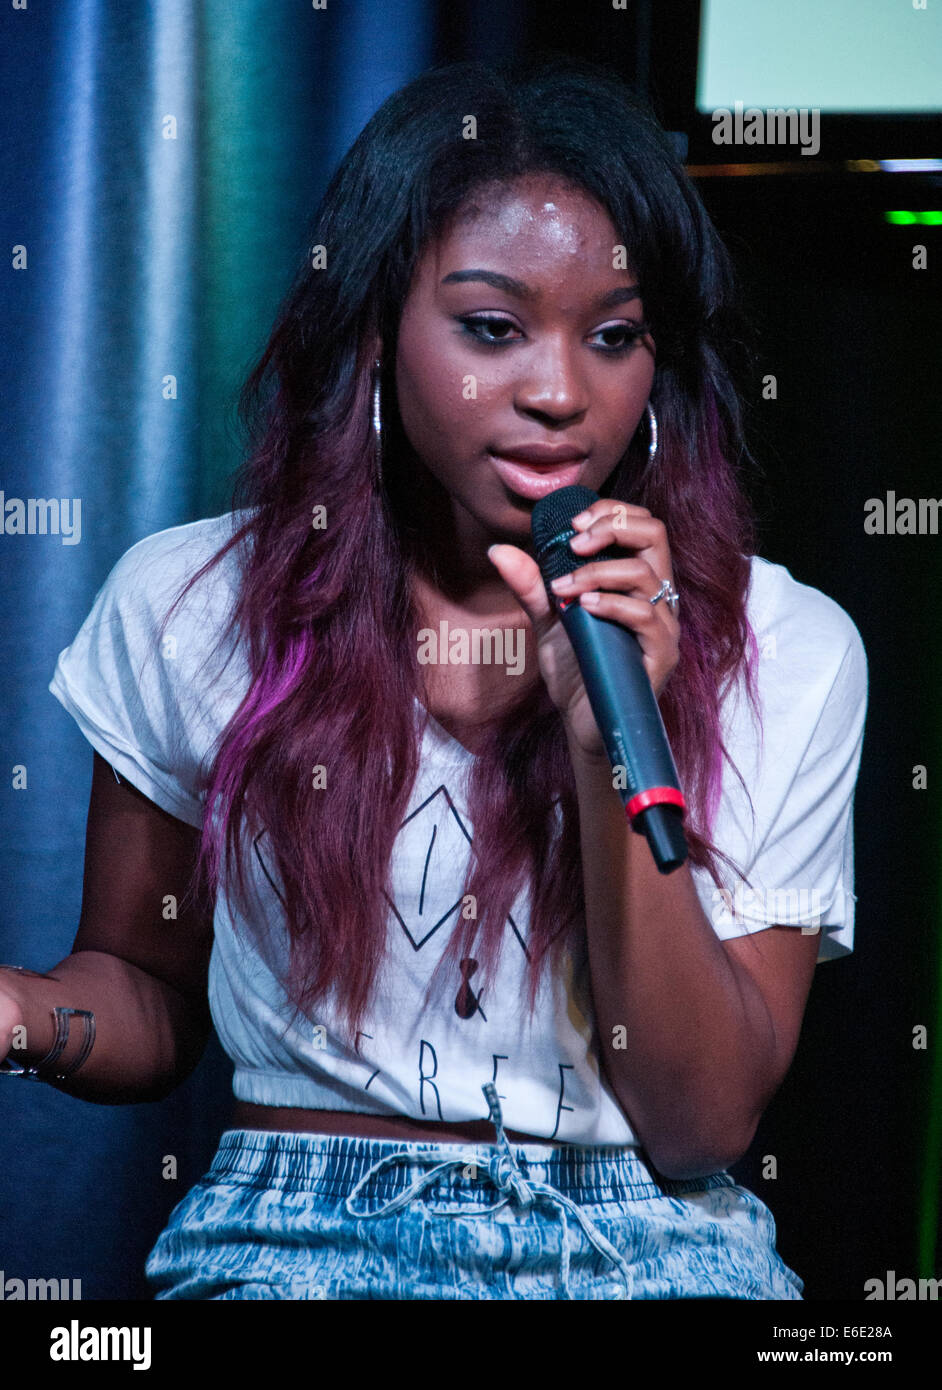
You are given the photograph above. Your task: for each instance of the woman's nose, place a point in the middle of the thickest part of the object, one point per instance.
(552, 384)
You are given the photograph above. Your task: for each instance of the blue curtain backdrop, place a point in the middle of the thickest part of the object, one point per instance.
(161, 163)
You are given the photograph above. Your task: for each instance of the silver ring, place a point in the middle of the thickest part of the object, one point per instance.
(667, 591)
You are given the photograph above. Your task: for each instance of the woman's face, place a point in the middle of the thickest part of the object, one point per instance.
(518, 334)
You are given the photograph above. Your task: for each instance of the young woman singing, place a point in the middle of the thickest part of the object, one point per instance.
(482, 1048)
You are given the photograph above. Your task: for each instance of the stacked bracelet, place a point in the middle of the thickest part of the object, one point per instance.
(44, 1070)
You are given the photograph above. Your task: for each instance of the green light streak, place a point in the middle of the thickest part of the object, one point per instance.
(929, 218)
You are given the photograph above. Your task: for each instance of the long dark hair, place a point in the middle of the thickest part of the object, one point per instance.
(327, 614)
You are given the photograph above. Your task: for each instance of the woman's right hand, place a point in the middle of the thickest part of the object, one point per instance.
(144, 978)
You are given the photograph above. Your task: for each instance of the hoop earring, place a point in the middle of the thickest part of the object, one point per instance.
(378, 423)
(652, 425)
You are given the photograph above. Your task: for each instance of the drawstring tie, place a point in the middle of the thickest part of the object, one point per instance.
(507, 1177)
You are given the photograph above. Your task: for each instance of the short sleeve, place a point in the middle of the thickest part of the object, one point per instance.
(139, 690)
(794, 843)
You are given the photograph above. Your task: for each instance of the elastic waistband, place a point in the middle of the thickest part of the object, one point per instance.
(331, 1164)
(378, 1177)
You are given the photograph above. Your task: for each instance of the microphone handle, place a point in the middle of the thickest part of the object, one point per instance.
(631, 726)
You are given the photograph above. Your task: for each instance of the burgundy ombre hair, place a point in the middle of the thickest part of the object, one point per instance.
(327, 615)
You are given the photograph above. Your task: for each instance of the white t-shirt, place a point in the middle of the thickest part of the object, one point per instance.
(153, 712)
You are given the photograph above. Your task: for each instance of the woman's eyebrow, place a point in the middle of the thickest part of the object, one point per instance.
(519, 290)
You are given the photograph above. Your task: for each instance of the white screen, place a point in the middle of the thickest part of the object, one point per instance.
(836, 55)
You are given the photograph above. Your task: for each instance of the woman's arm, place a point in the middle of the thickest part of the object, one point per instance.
(139, 961)
(696, 1034)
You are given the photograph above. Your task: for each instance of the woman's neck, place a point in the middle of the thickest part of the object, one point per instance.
(447, 548)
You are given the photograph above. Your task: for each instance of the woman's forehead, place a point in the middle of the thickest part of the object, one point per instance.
(547, 194)
(529, 230)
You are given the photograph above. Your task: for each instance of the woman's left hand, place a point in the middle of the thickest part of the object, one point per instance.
(624, 588)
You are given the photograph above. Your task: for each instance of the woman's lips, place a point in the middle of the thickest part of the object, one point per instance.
(534, 480)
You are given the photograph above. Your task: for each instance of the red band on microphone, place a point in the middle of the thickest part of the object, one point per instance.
(654, 796)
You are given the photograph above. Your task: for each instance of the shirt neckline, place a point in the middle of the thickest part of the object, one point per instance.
(446, 744)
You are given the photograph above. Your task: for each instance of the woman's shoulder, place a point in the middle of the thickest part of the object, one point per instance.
(798, 624)
(178, 552)
(143, 679)
(152, 573)
(811, 676)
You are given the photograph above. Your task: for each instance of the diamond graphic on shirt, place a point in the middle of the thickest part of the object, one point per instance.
(429, 865)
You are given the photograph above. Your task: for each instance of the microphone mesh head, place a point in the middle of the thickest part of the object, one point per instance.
(551, 517)
(554, 512)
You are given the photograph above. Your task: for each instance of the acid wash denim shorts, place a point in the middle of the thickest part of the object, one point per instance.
(293, 1215)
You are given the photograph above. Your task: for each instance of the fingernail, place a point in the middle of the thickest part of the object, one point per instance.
(582, 539)
(590, 599)
(581, 519)
(565, 581)
(490, 551)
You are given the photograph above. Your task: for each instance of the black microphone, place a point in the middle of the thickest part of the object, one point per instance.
(616, 683)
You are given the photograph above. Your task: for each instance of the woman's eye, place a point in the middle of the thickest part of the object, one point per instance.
(498, 330)
(492, 332)
(625, 335)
